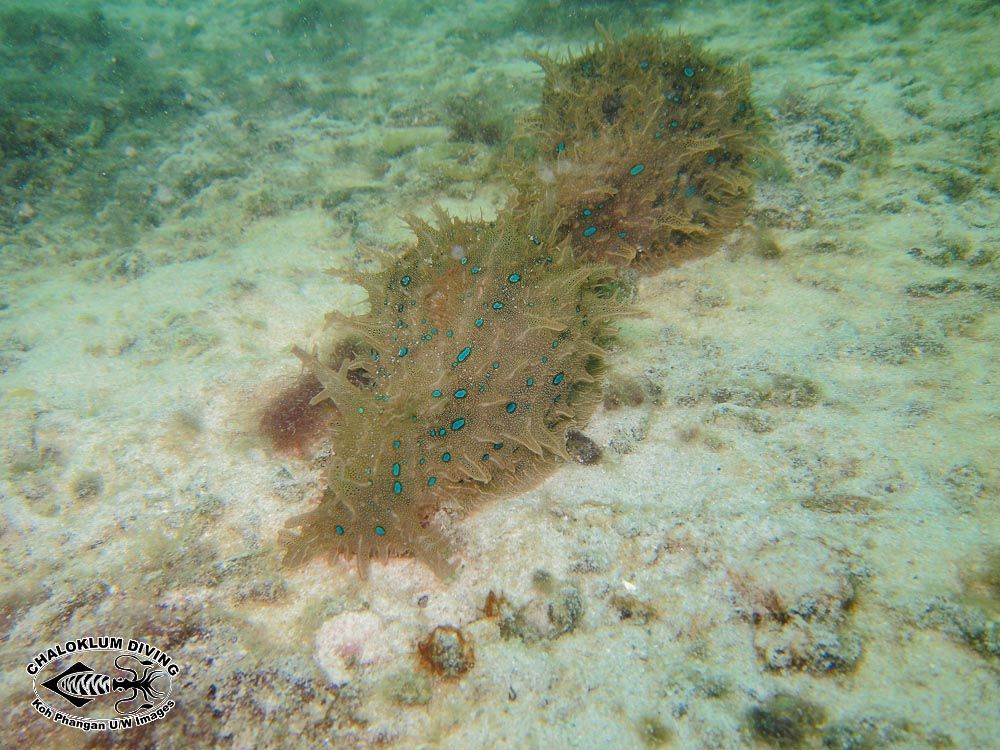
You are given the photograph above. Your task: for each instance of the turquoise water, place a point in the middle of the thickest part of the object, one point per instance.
(791, 536)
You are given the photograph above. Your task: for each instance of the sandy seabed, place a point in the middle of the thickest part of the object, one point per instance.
(792, 536)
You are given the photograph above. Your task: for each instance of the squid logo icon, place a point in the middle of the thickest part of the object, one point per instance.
(79, 684)
(110, 683)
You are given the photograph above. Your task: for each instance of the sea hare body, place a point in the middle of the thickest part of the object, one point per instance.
(484, 343)
(645, 145)
(481, 349)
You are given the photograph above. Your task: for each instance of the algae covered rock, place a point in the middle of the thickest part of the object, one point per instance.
(644, 145)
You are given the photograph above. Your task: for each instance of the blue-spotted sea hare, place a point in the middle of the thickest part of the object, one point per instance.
(644, 145)
(485, 342)
(481, 349)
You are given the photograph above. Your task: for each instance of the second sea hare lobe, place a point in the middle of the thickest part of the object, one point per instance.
(645, 145)
(478, 362)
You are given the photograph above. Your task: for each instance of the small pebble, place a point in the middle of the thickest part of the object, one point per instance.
(447, 651)
(582, 448)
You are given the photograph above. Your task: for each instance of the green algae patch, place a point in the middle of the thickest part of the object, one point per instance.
(785, 720)
(397, 141)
